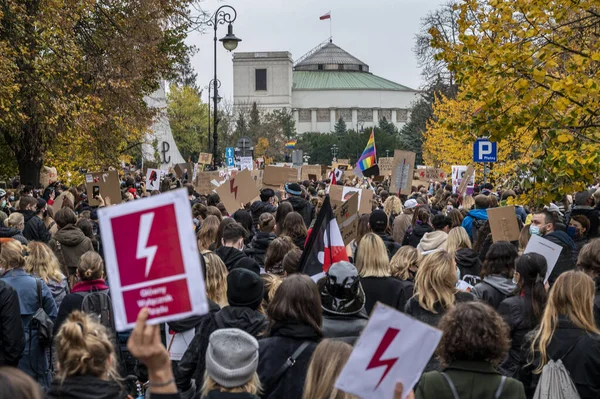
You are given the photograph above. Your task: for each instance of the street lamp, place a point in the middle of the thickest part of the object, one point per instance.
(334, 151)
(224, 15)
(361, 126)
(208, 103)
(306, 158)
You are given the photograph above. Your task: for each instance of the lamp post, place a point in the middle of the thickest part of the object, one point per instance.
(224, 15)
(334, 151)
(210, 85)
(360, 126)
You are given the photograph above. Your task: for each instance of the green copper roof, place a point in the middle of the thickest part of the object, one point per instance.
(334, 80)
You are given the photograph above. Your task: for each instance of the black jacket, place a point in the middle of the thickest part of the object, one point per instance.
(85, 387)
(304, 208)
(387, 290)
(597, 302)
(12, 337)
(299, 242)
(517, 312)
(35, 229)
(274, 351)
(217, 394)
(230, 256)
(391, 245)
(413, 235)
(9, 232)
(192, 364)
(494, 289)
(194, 322)
(468, 262)
(258, 208)
(344, 327)
(565, 260)
(594, 217)
(258, 247)
(579, 352)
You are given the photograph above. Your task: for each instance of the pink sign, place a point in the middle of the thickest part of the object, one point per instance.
(152, 259)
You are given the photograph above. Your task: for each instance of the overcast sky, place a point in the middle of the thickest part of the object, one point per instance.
(378, 32)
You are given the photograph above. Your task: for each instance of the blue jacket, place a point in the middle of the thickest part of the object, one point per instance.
(468, 220)
(35, 360)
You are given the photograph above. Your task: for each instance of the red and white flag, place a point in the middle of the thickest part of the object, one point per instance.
(326, 16)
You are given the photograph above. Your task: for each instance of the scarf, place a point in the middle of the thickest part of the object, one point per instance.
(86, 286)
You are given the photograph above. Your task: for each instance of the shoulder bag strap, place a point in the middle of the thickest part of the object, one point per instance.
(572, 346)
(289, 363)
(500, 388)
(450, 384)
(38, 284)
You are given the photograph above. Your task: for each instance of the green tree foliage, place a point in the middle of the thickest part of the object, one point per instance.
(340, 127)
(189, 121)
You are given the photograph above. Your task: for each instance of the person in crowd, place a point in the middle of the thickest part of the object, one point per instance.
(86, 226)
(199, 214)
(474, 341)
(214, 211)
(584, 206)
(378, 223)
(326, 364)
(41, 262)
(276, 251)
(392, 206)
(69, 243)
(361, 230)
(213, 199)
(232, 245)
(49, 221)
(567, 332)
(343, 303)
(405, 265)
(456, 217)
(13, 228)
(295, 229)
(245, 290)
(231, 362)
(207, 234)
(265, 205)
(216, 279)
(263, 237)
(282, 211)
(543, 224)
(520, 211)
(436, 239)
(295, 320)
(293, 193)
(522, 312)
(272, 283)
(589, 262)
(33, 294)
(524, 237)
(420, 225)
(404, 220)
(559, 217)
(245, 220)
(12, 336)
(467, 261)
(579, 225)
(291, 261)
(497, 274)
(477, 217)
(33, 210)
(18, 385)
(375, 271)
(226, 221)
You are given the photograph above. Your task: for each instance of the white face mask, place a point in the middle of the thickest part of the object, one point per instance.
(458, 273)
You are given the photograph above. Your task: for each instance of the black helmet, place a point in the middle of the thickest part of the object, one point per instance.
(341, 291)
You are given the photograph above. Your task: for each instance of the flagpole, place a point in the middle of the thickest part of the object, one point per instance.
(330, 35)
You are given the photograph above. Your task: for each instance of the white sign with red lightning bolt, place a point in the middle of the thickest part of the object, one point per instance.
(392, 348)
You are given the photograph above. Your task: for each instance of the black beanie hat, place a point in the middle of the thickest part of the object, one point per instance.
(249, 264)
(244, 288)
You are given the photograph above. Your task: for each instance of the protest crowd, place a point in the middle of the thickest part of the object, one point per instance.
(282, 323)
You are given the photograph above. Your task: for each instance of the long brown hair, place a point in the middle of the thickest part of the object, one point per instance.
(282, 211)
(293, 226)
(297, 300)
(207, 234)
(216, 279)
(363, 228)
(276, 251)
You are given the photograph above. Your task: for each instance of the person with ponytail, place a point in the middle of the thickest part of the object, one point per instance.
(567, 332)
(523, 311)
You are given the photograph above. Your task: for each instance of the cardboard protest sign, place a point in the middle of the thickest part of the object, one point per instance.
(341, 166)
(347, 217)
(402, 171)
(184, 171)
(153, 179)
(344, 161)
(237, 190)
(48, 175)
(427, 174)
(504, 224)
(58, 201)
(278, 176)
(257, 175)
(203, 183)
(386, 164)
(341, 194)
(246, 163)
(392, 348)
(463, 179)
(308, 170)
(205, 158)
(105, 184)
(547, 249)
(152, 259)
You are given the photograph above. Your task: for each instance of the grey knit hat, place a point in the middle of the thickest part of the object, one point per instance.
(231, 357)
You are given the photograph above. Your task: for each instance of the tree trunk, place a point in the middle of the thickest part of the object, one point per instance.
(29, 172)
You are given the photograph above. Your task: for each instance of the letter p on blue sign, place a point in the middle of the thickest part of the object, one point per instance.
(485, 151)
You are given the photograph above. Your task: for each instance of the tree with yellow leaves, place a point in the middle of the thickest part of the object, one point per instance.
(534, 66)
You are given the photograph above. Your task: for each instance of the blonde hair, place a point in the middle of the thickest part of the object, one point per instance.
(573, 296)
(11, 256)
(468, 202)
(15, 219)
(216, 279)
(326, 363)
(405, 259)
(271, 283)
(208, 232)
(392, 205)
(42, 262)
(83, 347)
(372, 259)
(457, 239)
(253, 386)
(436, 281)
(91, 266)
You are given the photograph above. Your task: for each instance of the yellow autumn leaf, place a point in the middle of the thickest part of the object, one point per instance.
(563, 138)
(539, 75)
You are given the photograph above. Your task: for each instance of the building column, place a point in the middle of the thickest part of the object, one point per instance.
(375, 117)
(394, 117)
(296, 115)
(332, 120)
(355, 120)
(313, 120)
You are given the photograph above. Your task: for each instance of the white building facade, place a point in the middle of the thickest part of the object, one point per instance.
(323, 86)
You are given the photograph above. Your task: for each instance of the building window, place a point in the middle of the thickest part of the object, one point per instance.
(261, 79)
(320, 67)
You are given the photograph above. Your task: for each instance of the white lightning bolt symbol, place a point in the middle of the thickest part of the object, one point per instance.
(143, 250)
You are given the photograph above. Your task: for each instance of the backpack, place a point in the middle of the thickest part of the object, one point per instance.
(555, 381)
(97, 303)
(497, 394)
(476, 226)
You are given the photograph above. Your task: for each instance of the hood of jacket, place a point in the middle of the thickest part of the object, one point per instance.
(27, 215)
(7, 232)
(70, 236)
(262, 240)
(433, 240)
(259, 207)
(387, 239)
(420, 229)
(189, 323)
(298, 203)
(478, 214)
(501, 283)
(230, 256)
(85, 387)
(467, 258)
(246, 319)
(560, 238)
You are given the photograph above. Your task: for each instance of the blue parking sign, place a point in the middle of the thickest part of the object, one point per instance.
(229, 157)
(485, 150)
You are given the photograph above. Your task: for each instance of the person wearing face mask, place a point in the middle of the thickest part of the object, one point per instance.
(543, 225)
(579, 226)
(232, 249)
(33, 210)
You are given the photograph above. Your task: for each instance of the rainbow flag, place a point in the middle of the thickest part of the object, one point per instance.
(290, 144)
(368, 157)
